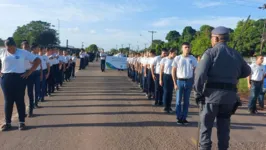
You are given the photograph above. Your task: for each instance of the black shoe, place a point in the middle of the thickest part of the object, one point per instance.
(37, 106)
(22, 126)
(6, 127)
(179, 121)
(185, 122)
(160, 104)
(251, 111)
(30, 114)
(156, 103)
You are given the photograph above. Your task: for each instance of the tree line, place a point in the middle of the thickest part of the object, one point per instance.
(42, 33)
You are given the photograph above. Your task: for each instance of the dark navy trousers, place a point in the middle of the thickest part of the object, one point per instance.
(13, 87)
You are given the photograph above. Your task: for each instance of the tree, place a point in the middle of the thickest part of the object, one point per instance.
(172, 36)
(250, 39)
(92, 48)
(2, 43)
(202, 40)
(188, 34)
(47, 37)
(38, 32)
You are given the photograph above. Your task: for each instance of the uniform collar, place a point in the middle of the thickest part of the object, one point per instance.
(220, 44)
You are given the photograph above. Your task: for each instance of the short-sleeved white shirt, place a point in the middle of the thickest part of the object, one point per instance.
(45, 60)
(66, 59)
(15, 63)
(257, 72)
(103, 56)
(73, 59)
(39, 67)
(56, 61)
(167, 65)
(156, 64)
(51, 60)
(185, 66)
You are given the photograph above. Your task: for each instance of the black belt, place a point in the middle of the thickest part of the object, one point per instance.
(223, 86)
(255, 81)
(183, 79)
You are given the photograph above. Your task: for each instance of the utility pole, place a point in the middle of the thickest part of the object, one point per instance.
(67, 43)
(82, 44)
(263, 38)
(145, 45)
(152, 32)
(116, 47)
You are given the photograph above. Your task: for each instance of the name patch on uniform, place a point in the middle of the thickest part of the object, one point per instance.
(17, 57)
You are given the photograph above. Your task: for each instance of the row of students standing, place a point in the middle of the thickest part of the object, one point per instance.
(84, 59)
(159, 76)
(41, 70)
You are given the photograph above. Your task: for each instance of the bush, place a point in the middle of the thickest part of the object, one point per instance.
(243, 86)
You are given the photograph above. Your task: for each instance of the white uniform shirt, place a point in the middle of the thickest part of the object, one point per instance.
(167, 65)
(151, 60)
(51, 60)
(27, 64)
(39, 67)
(144, 61)
(156, 64)
(82, 55)
(56, 61)
(61, 58)
(73, 59)
(257, 72)
(103, 56)
(185, 66)
(15, 63)
(45, 60)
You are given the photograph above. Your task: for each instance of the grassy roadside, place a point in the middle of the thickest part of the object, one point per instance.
(243, 86)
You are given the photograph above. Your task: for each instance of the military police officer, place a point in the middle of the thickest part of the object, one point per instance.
(218, 71)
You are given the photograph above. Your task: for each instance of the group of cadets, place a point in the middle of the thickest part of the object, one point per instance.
(84, 59)
(41, 69)
(159, 75)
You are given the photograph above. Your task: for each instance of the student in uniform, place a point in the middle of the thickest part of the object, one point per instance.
(45, 71)
(150, 74)
(68, 67)
(73, 58)
(38, 76)
(50, 80)
(61, 59)
(30, 80)
(155, 69)
(166, 79)
(183, 68)
(14, 77)
(255, 83)
(82, 59)
(103, 58)
(56, 69)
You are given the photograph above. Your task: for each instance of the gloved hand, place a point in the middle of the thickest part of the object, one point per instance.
(200, 99)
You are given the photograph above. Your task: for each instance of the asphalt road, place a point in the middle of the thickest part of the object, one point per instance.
(106, 111)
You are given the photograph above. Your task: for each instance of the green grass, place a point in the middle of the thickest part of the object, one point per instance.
(243, 86)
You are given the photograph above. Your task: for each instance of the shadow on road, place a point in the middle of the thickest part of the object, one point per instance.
(136, 124)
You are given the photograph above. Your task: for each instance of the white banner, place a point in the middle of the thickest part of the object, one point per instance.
(113, 62)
